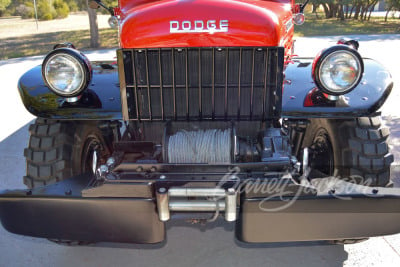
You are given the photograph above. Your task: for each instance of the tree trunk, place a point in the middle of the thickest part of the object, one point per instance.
(387, 13)
(366, 12)
(362, 13)
(333, 10)
(341, 12)
(370, 12)
(314, 10)
(326, 10)
(358, 7)
(351, 12)
(94, 28)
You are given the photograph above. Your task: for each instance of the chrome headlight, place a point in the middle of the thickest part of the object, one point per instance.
(338, 70)
(66, 71)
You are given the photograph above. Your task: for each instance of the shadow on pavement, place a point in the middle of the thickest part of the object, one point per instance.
(394, 145)
(12, 163)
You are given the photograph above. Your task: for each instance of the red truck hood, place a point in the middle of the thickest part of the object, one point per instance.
(203, 23)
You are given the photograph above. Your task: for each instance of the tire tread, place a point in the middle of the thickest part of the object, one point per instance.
(373, 160)
(49, 148)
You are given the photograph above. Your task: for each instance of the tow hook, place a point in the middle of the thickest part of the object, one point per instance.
(212, 200)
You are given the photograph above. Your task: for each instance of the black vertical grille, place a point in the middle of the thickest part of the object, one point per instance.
(235, 83)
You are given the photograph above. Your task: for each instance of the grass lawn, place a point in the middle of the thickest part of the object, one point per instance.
(325, 27)
(41, 44)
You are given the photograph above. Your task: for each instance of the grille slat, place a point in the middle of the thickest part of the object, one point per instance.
(161, 84)
(200, 87)
(226, 83)
(173, 81)
(232, 83)
(252, 85)
(135, 92)
(266, 81)
(239, 85)
(148, 85)
(213, 83)
(187, 83)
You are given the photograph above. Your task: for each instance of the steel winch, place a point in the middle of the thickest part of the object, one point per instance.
(223, 145)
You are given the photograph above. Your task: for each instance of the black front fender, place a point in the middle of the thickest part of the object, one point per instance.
(364, 100)
(100, 101)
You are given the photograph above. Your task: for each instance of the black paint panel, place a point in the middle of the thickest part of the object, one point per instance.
(102, 99)
(59, 211)
(317, 218)
(366, 98)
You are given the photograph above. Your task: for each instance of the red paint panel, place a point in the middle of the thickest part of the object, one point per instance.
(146, 23)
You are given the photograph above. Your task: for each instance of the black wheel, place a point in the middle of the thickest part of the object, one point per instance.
(355, 149)
(59, 149)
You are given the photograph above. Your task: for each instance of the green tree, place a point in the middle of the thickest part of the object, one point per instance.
(330, 7)
(45, 10)
(82, 4)
(392, 5)
(11, 9)
(25, 11)
(3, 6)
(73, 6)
(61, 8)
(346, 9)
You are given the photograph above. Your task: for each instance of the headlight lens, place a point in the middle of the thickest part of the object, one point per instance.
(338, 70)
(66, 71)
(64, 74)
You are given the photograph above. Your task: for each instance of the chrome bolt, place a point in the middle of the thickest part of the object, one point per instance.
(110, 161)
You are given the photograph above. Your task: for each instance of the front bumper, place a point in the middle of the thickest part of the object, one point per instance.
(62, 211)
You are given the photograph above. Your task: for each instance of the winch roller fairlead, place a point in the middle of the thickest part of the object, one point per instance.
(207, 200)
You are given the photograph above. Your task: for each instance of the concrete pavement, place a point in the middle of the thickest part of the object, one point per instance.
(186, 245)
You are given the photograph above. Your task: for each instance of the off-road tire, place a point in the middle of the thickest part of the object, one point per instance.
(359, 147)
(55, 150)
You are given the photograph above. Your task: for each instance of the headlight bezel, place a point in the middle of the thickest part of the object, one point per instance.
(323, 56)
(80, 59)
